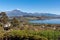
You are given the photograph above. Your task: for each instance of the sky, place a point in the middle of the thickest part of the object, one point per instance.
(40, 6)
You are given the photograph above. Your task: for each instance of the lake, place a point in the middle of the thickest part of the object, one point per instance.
(50, 21)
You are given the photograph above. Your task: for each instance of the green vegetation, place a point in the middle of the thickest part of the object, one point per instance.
(22, 30)
(3, 18)
(15, 22)
(30, 35)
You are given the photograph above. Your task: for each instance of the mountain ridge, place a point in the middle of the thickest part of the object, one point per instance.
(20, 13)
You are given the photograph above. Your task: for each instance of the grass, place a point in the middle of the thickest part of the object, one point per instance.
(30, 34)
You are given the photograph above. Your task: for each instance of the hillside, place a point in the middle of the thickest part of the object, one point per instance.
(20, 13)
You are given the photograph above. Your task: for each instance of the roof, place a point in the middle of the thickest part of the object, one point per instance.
(7, 25)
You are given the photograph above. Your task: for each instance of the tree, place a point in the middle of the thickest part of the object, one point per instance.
(4, 18)
(15, 22)
(3, 14)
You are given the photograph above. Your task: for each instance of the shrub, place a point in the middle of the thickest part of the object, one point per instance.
(24, 35)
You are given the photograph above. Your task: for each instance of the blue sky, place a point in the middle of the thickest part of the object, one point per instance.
(41, 6)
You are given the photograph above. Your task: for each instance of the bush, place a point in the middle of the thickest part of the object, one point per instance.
(29, 35)
(23, 35)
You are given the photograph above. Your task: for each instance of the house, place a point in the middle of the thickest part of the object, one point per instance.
(6, 26)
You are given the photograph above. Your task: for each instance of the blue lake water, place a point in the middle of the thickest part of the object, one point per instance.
(50, 21)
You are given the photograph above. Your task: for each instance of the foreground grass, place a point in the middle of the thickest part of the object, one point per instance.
(30, 35)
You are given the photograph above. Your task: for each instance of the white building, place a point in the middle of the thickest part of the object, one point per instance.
(7, 26)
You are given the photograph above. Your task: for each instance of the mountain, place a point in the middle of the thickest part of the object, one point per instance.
(15, 13)
(20, 13)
